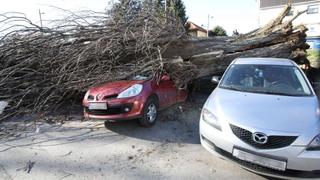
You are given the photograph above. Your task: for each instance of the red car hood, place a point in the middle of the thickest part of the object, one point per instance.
(113, 88)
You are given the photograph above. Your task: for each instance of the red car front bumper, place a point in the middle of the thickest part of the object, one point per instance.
(117, 109)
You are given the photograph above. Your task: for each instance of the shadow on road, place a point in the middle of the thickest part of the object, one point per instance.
(177, 124)
(179, 130)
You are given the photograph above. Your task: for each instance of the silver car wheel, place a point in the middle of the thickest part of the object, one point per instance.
(152, 113)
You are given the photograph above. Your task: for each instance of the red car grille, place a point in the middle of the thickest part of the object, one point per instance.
(110, 97)
(112, 110)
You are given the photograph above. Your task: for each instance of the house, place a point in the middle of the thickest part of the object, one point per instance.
(269, 9)
(195, 30)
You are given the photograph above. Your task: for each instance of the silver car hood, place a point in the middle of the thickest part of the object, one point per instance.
(268, 113)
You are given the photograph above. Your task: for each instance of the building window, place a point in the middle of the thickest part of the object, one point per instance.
(313, 9)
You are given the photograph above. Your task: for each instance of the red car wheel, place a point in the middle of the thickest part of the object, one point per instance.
(150, 112)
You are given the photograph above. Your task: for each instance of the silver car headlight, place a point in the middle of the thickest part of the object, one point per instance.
(131, 91)
(315, 144)
(211, 119)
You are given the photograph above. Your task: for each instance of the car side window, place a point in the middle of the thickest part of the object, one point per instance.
(302, 83)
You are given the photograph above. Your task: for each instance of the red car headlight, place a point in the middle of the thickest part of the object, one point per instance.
(131, 91)
(88, 97)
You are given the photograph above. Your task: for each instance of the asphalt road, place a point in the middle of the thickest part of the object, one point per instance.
(89, 150)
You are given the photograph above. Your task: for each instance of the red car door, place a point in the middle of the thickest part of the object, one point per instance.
(167, 92)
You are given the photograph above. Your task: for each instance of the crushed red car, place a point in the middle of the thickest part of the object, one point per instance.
(137, 98)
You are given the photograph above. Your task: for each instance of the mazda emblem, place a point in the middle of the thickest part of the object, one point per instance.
(260, 138)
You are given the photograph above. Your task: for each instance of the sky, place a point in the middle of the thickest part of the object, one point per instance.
(230, 14)
(51, 9)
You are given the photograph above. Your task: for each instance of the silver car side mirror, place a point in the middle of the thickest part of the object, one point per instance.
(215, 79)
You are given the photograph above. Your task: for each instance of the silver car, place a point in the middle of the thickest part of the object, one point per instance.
(264, 115)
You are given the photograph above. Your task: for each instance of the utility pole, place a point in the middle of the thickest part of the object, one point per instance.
(208, 24)
(40, 16)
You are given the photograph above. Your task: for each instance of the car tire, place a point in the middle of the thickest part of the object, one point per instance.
(150, 113)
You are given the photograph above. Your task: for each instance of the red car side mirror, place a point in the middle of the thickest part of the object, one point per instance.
(165, 78)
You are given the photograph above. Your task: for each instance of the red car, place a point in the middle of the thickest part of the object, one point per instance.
(138, 98)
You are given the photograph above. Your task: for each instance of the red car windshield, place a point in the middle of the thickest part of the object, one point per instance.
(139, 77)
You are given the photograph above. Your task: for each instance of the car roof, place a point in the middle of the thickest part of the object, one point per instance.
(265, 61)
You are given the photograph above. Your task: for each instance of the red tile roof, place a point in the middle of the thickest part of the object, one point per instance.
(194, 27)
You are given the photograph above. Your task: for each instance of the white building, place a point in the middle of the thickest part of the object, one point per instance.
(269, 9)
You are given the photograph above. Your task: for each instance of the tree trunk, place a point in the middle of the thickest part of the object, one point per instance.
(209, 56)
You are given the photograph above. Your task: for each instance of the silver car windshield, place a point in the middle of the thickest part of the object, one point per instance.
(266, 79)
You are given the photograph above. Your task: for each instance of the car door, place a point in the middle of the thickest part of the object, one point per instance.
(167, 92)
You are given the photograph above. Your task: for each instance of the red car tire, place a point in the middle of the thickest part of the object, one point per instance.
(150, 112)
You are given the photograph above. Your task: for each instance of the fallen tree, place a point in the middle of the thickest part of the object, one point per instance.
(44, 68)
(212, 55)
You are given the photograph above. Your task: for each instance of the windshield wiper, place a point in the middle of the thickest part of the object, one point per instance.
(276, 93)
(236, 88)
(232, 87)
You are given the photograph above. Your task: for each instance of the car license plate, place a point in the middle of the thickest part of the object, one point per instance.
(259, 160)
(98, 106)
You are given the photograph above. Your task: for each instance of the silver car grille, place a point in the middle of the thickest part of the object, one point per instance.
(273, 142)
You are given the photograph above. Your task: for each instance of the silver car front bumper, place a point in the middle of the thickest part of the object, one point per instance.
(222, 143)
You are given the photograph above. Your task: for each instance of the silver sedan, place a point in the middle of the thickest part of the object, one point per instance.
(264, 115)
